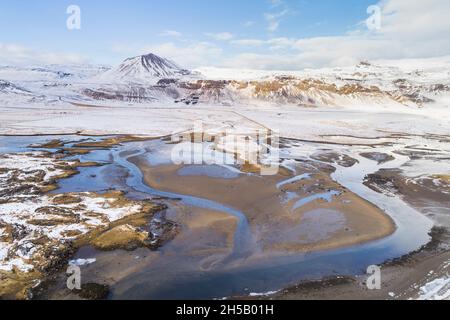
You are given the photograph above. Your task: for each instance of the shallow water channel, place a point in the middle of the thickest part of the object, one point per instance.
(173, 273)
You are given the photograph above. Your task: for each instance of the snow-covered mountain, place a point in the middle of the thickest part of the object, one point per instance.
(145, 69)
(48, 84)
(9, 87)
(50, 73)
(152, 79)
(12, 94)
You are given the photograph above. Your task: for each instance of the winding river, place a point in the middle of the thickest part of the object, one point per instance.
(174, 281)
(243, 240)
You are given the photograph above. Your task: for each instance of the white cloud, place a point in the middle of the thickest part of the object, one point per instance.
(13, 54)
(189, 56)
(414, 19)
(274, 19)
(275, 3)
(248, 24)
(249, 42)
(409, 29)
(273, 43)
(170, 33)
(221, 36)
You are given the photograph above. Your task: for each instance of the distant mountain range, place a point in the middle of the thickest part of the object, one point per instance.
(150, 78)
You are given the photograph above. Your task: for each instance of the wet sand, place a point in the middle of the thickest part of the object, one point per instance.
(210, 232)
(278, 226)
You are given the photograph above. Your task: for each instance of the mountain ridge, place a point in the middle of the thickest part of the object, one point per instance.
(151, 78)
(147, 68)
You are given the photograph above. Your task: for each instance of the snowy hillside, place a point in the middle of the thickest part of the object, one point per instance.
(408, 82)
(44, 84)
(152, 79)
(147, 69)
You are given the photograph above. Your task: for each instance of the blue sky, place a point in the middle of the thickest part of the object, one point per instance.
(216, 30)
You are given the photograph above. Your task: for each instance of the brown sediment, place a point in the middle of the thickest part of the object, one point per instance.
(364, 222)
(75, 151)
(110, 142)
(349, 144)
(273, 222)
(429, 195)
(378, 156)
(85, 147)
(66, 199)
(443, 177)
(121, 237)
(54, 144)
(93, 291)
(413, 190)
(208, 232)
(16, 285)
(334, 157)
(291, 88)
(127, 233)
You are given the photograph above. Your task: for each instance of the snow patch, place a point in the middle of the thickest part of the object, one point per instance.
(82, 262)
(438, 289)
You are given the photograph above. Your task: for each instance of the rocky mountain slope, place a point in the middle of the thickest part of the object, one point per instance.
(145, 69)
(150, 78)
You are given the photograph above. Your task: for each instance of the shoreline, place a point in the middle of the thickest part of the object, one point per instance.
(402, 278)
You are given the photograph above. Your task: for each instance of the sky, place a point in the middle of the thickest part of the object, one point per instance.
(259, 34)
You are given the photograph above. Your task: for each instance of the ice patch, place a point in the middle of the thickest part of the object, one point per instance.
(328, 197)
(82, 262)
(263, 294)
(301, 177)
(438, 289)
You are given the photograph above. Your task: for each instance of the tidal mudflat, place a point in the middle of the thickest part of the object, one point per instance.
(142, 227)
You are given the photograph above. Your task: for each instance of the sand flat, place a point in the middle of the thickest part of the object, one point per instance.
(273, 222)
